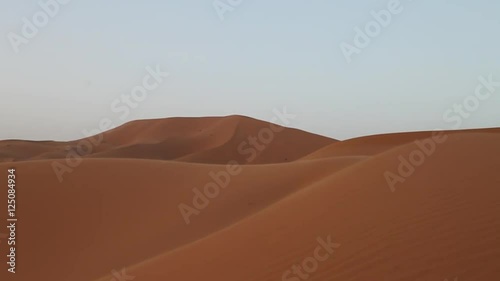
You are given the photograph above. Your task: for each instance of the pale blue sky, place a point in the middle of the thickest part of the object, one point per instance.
(264, 55)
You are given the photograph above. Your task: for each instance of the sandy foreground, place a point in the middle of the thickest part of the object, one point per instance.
(234, 198)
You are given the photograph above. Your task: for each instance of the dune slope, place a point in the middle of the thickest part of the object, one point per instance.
(441, 222)
(110, 213)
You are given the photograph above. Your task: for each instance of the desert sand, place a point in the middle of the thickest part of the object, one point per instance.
(118, 210)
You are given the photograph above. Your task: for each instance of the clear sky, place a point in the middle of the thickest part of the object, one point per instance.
(262, 55)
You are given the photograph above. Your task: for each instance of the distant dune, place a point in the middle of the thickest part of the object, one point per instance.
(119, 208)
(214, 140)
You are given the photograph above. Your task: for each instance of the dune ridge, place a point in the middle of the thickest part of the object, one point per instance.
(214, 140)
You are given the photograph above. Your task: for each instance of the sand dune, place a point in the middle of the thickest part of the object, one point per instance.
(18, 150)
(120, 207)
(435, 227)
(214, 140)
(121, 212)
(371, 145)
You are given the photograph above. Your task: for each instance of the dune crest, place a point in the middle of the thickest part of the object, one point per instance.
(213, 140)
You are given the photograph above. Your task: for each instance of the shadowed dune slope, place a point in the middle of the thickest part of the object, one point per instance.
(110, 213)
(214, 140)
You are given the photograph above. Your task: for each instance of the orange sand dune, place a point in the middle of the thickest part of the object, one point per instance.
(215, 140)
(371, 145)
(442, 222)
(19, 150)
(127, 210)
(121, 206)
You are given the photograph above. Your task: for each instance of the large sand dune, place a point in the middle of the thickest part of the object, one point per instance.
(120, 207)
(214, 140)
